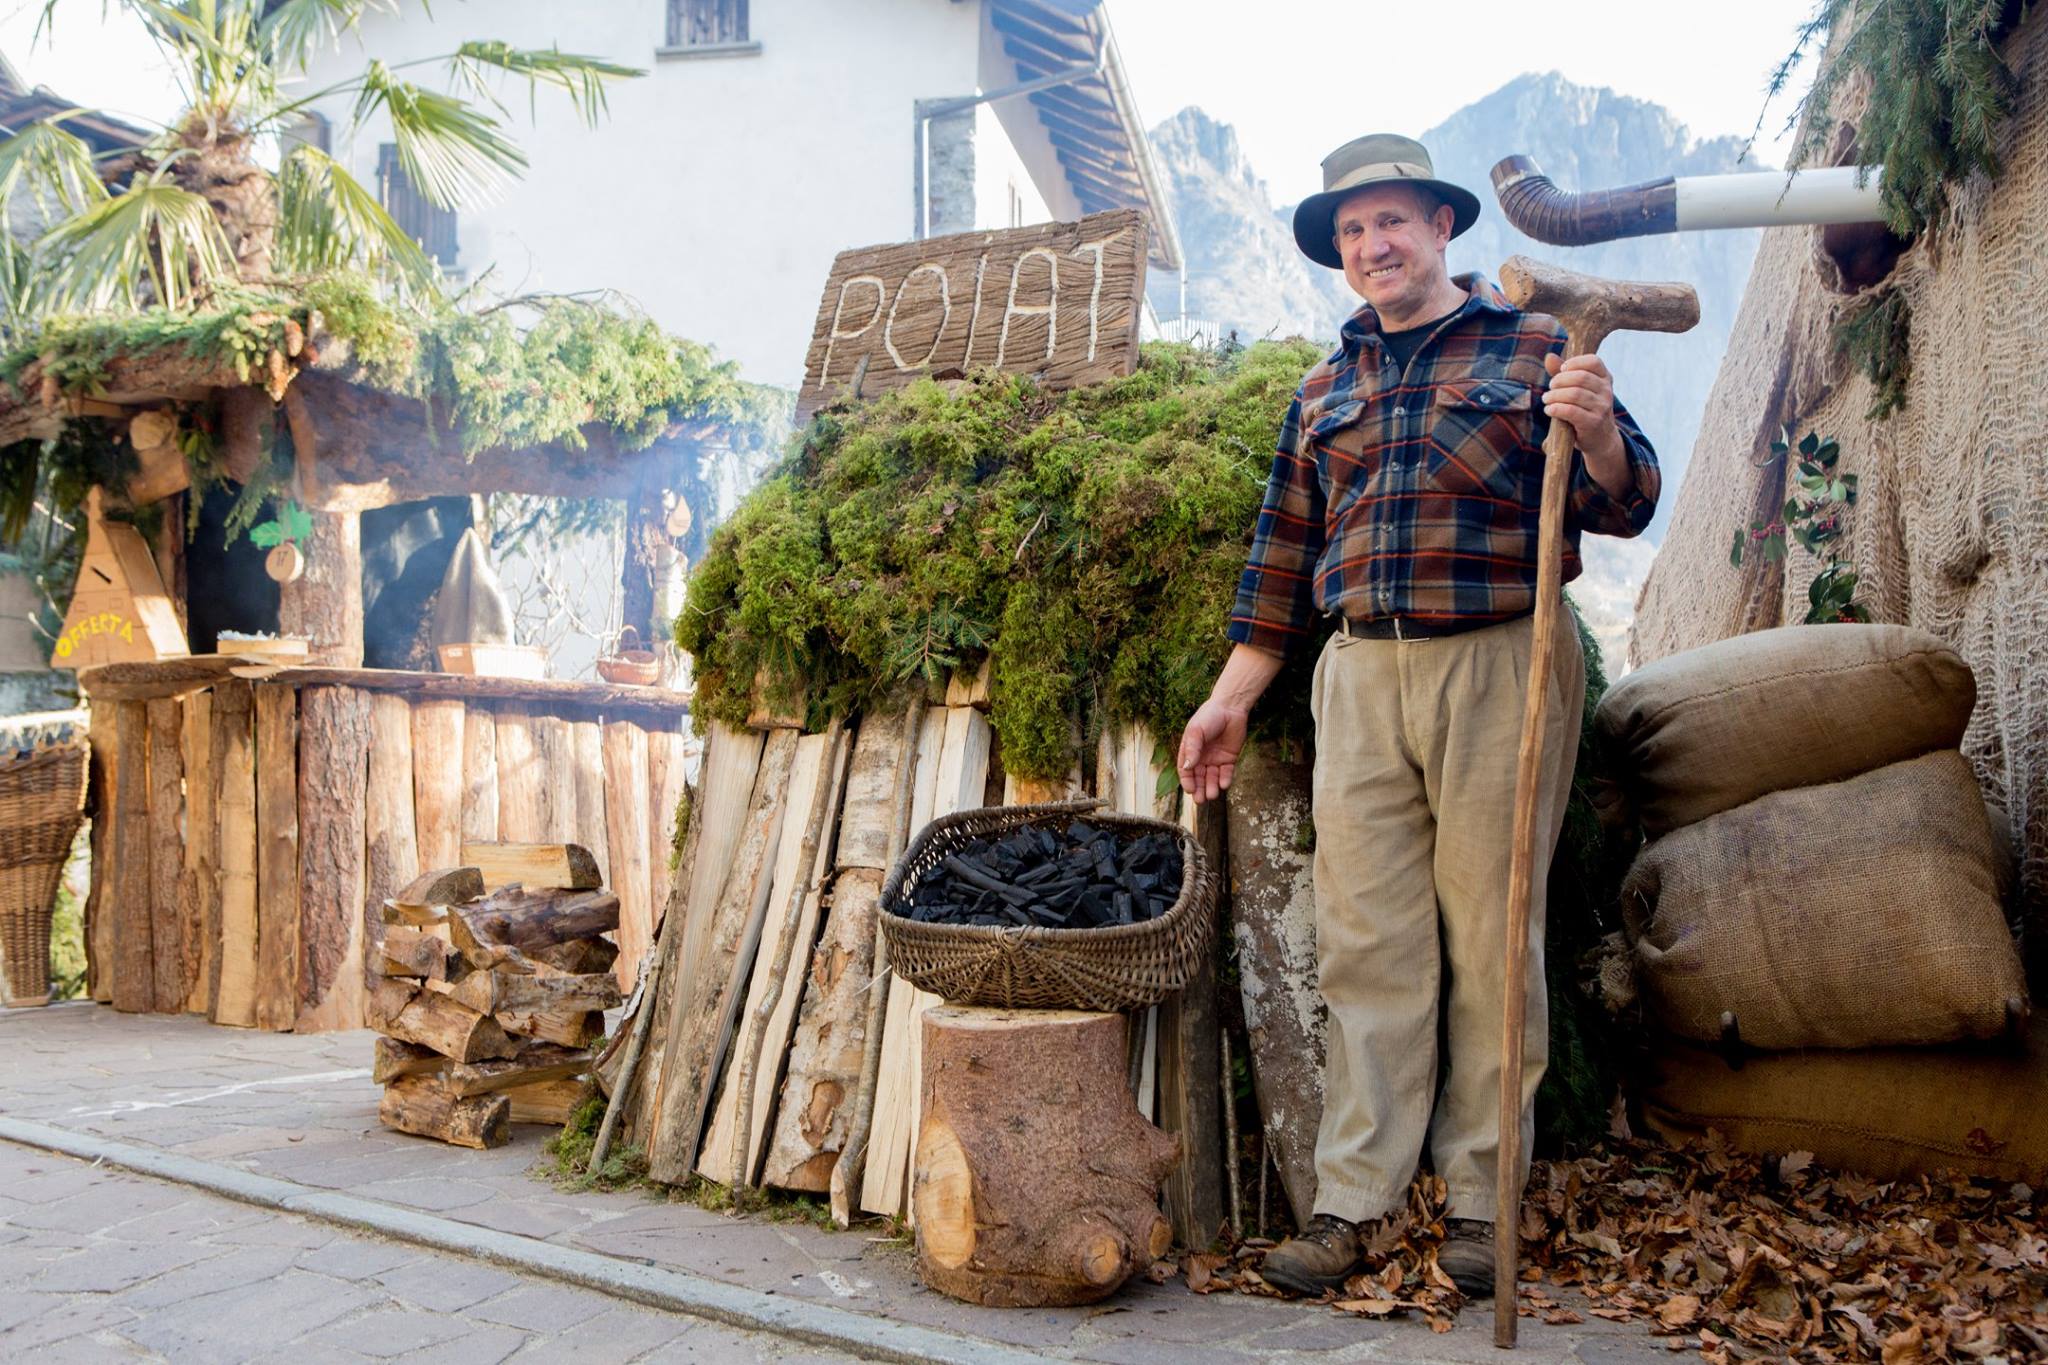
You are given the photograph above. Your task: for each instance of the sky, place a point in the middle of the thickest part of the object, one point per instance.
(1303, 78)
(1293, 97)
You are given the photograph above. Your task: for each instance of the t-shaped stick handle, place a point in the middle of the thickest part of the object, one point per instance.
(1590, 309)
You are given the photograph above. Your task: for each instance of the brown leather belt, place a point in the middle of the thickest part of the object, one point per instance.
(1416, 628)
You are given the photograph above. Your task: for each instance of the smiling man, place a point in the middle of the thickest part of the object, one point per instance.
(1403, 503)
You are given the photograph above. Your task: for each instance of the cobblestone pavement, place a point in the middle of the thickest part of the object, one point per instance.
(103, 1266)
(146, 1267)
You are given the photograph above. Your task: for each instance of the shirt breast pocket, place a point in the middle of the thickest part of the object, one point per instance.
(1343, 455)
(1479, 435)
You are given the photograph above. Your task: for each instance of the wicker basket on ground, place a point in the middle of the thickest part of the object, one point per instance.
(1032, 967)
(42, 800)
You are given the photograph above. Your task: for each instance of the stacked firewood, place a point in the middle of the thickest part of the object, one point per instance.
(489, 1001)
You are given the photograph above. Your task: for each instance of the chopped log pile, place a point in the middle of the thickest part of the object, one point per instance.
(489, 1001)
(1083, 877)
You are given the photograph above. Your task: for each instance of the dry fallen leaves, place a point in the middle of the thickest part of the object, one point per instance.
(1747, 1256)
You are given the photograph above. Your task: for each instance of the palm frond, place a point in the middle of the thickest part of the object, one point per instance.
(292, 29)
(453, 152)
(581, 77)
(152, 232)
(327, 219)
(52, 165)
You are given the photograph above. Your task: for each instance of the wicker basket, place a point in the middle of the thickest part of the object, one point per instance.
(627, 663)
(42, 797)
(1032, 967)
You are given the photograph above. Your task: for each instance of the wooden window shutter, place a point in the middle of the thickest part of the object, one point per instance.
(427, 223)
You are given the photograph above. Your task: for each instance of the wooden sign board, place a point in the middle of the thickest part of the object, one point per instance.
(1060, 301)
(119, 612)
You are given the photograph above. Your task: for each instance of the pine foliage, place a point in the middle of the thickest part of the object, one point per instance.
(1939, 91)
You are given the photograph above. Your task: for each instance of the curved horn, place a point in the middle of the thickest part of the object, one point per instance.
(1535, 204)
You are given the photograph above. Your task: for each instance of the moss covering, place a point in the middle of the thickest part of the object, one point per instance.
(1087, 543)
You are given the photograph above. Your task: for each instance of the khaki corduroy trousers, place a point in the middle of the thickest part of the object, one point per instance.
(1414, 813)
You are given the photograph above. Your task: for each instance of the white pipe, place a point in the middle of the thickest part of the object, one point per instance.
(1770, 198)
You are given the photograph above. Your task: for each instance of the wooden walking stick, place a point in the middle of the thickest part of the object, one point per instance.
(1590, 310)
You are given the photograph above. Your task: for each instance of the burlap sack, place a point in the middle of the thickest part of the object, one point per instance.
(1858, 914)
(1890, 1113)
(471, 607)
(1706, 730)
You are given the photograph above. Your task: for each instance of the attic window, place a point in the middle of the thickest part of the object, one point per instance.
(707, 23)
(427, 223)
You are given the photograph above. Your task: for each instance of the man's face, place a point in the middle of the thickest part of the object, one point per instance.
(1393, 250)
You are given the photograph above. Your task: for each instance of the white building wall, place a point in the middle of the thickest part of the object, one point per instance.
(719, 188)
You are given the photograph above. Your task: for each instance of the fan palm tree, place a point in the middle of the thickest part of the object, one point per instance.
(200, 210)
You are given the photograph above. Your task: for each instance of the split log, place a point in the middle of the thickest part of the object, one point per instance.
(879, 759)
(433, 1020)
(725, 786)
(969, 689)
(563, 866)
(167, 945)
(277, 857)
(391, 855)
(522, 919)
(479, 776)
(419, 1105)
(1190, 1067)
(550, 1102)
(519, 780)
(507, 992)
(554, 761)
(334, 749)
(568, 1027)
(664, 800)
(1036, 1181)
(955, 750)
(437, 889)
(234, 770)
(586, 747)
(625, 806)
(134, 975)
(577, 957)
(99, 897)
(812, 1120)
(739, 1125)
(394, 1057)
(1272, 916)
(437, 780)
(199, 885)
(532, 1064)
(417, 953)
(700, 1021)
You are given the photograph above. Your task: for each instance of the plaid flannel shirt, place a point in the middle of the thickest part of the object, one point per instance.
(1416, 494)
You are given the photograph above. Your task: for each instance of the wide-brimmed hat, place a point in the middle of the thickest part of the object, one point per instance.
(1375, 159)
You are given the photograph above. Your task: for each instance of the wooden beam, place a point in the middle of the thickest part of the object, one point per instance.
(167, 945)
(586, 746)
(235, 854)
(335, 739)
(134, 977)
(277, 858)
(479, 776)
(325, 603)
(625, 805)
(171, 677)
(1190, 1067)
(199, 886)
(437, 780)
(519, 778)
(391, 853)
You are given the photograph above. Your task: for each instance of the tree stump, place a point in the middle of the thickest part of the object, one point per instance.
(1036, 1182)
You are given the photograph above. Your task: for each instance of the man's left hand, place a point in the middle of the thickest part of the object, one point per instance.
(1581, 395)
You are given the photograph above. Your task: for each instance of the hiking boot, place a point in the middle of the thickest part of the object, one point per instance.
(1467, 1256)
(1318, 1259)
